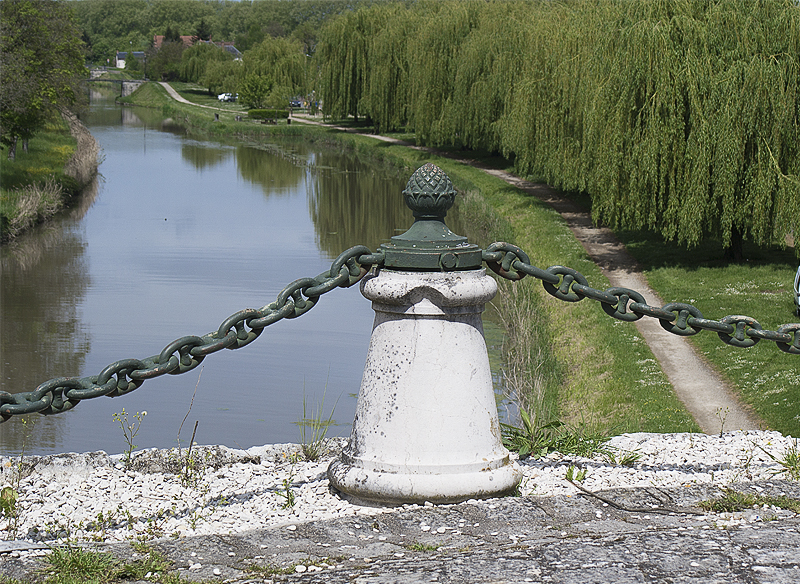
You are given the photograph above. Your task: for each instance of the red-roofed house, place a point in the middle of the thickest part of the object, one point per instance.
(159, 38)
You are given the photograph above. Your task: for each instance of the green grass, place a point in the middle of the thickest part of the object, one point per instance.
(733, 501)
(36, 178)
(48, 152)
(148, 95)
(199, 95)
(77, 565)
(765, 377)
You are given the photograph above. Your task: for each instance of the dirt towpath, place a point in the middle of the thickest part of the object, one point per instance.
(702, 390)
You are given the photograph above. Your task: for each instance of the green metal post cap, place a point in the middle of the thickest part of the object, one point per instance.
(430, 245)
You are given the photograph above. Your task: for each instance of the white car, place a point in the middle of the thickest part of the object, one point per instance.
(226, 97)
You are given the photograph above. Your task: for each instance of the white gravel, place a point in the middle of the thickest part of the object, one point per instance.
(92, 497)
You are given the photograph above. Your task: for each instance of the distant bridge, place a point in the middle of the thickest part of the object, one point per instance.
(127, 86)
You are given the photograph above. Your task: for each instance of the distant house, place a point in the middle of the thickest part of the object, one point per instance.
(159, 38)
(227, 46)
(121, 57)
(188, 42)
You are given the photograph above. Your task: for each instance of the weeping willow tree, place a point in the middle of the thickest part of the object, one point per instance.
(695, 130)
(388, 88)
(679, 116)
(281, 64)
(490, 58)
(342, 50)
(434, 57)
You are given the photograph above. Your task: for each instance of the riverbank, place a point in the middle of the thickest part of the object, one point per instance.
(26, 205)
(265, 513)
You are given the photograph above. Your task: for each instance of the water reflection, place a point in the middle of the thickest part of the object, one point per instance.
(42, 335)
(284, 171)
(349, 206)
(202, 156)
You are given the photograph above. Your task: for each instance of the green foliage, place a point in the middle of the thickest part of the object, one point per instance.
(111, 25)
(8, 502)
(684, 121)
(130, 428)
(790, 461)
(196, 59)
(540, 439)
(164, 63)
(222, 76)
(77, 565)
(255, 90)
(73, 564)
(41, 62)
(275, 69)
(268, 114)
(203, 31)
(314, 430)
(132, 64)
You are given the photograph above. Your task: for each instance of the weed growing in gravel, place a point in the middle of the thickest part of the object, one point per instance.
(621, 457)
(790, 461)
(554, 436)
(575, 474)
(314, 430)
(286, 492)
(722, 416)
(10, 493)
(130, 428)
(735, 501)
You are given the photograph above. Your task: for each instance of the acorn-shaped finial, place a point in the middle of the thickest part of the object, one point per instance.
(429, 192)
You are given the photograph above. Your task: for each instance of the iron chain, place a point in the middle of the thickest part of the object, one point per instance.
(682, 319)
(184, 354)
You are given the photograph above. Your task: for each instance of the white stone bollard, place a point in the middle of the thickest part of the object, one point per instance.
(426, 425)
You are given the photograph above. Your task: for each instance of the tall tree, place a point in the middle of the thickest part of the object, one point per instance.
(202, 32)
(41, 62)
(280, 61)
(172, 34)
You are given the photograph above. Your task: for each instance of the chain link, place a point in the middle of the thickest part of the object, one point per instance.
(184, 354)
(243, 327)
(682, 319)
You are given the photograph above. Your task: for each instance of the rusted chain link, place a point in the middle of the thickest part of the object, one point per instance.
(510, 262)
(184, 354)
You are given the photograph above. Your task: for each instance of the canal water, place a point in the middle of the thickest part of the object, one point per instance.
(176, 235)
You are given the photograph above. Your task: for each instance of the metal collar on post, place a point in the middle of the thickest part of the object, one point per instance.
(430, 245)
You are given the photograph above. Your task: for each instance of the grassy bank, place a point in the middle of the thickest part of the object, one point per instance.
(767, 378)
(61, 160)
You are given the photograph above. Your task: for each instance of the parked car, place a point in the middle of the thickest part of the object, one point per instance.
(226, 97)
(296, 103)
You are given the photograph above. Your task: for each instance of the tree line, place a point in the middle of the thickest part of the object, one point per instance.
(679, 116)
(129, 25)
